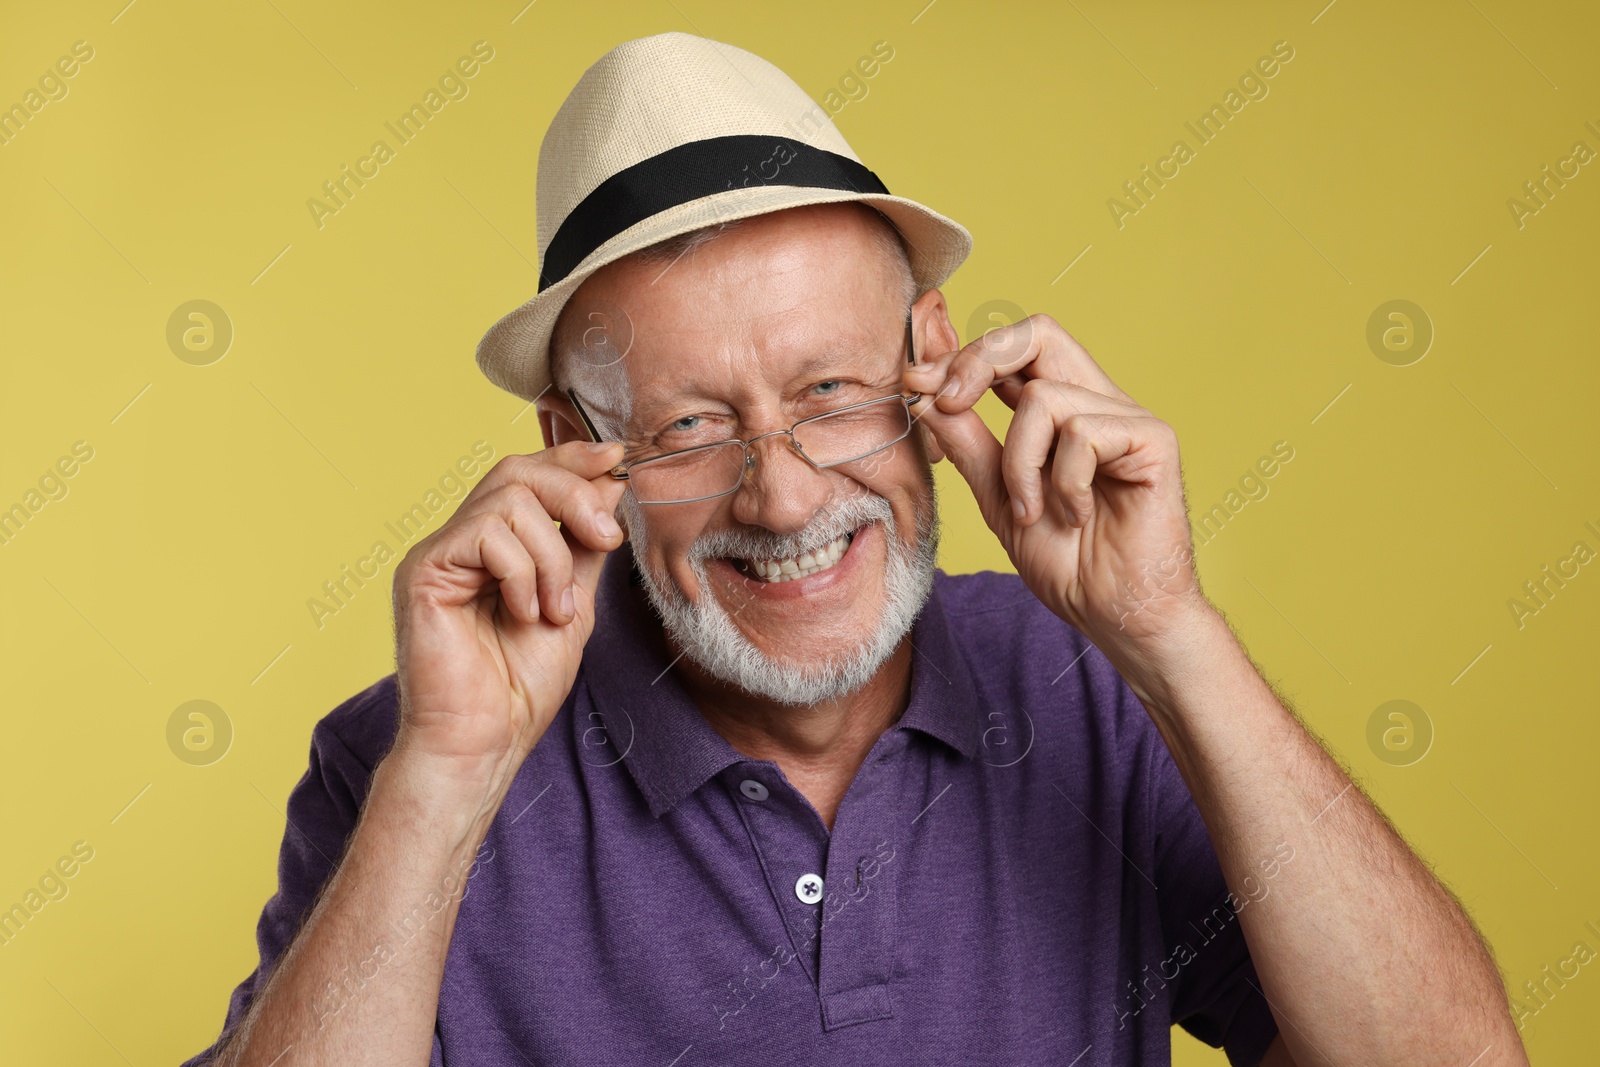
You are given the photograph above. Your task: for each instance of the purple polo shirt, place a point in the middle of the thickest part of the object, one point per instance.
(1016, 874)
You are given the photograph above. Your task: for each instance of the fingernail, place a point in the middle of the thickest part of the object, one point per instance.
(1018, 508)
(597, 447)
(567, 603)
(533, 608)
(606, 525)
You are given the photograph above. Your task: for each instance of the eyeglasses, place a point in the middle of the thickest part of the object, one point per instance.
(831, 439)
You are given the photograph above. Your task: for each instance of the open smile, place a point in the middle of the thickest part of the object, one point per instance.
(800, 578)
(802, 566)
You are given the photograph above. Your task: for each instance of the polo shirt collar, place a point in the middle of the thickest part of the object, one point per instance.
(668, 746)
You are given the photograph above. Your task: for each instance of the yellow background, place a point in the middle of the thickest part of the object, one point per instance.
(1234, 305)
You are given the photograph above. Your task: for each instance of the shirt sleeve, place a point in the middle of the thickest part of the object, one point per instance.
(1216, 995)
(322, 811)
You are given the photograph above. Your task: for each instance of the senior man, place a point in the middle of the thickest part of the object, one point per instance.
(747, 779)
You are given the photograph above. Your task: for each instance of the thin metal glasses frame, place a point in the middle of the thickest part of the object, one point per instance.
(621, 470)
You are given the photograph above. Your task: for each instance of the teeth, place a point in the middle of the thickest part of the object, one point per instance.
(808, 563)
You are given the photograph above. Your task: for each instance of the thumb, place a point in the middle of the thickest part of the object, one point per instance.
(972, 447)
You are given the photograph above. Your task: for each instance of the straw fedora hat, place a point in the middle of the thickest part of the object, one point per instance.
(670, 133)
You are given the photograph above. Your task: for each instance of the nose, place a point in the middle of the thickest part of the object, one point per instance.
(781, 490)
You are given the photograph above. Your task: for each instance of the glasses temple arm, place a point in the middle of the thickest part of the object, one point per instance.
(588, 423)
(620, 471)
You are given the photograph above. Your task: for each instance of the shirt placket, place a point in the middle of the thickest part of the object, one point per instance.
(791, 845)
(859, 917)
(836, 894)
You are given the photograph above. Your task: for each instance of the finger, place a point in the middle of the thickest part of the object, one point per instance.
(552, 559)
(1072, 478)
(586, 566)
(582, 459)
(568, 497)
(587, 561)
(483, 549)
(931, 377)
(1051, 415)
(926, 367)
(974, 450)
(1009, 389)
(1040, 347)
(960, 379)
(551, 548)
(1032, 348)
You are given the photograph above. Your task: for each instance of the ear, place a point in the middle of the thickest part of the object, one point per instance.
(558, 420)
(931, 326)
(934, 335)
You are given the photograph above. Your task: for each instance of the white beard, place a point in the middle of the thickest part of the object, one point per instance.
(708, 636)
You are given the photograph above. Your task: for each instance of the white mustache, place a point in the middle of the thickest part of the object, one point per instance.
(749, 542)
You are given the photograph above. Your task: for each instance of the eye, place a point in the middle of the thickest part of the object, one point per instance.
(688, 422)
(829, 387)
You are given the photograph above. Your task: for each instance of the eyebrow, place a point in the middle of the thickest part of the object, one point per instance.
(837, 360)
(837, 365)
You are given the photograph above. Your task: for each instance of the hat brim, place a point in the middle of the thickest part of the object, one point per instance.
(515, 352)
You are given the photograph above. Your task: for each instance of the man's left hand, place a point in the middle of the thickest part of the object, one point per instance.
(1086, 495)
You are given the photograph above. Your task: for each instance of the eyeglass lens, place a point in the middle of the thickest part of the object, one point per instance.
(828, 440)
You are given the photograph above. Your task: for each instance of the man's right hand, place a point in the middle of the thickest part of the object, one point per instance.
(493, 609)
(492, 612)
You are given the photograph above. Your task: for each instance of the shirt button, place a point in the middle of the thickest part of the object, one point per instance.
(808, 888)
(753, 789)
